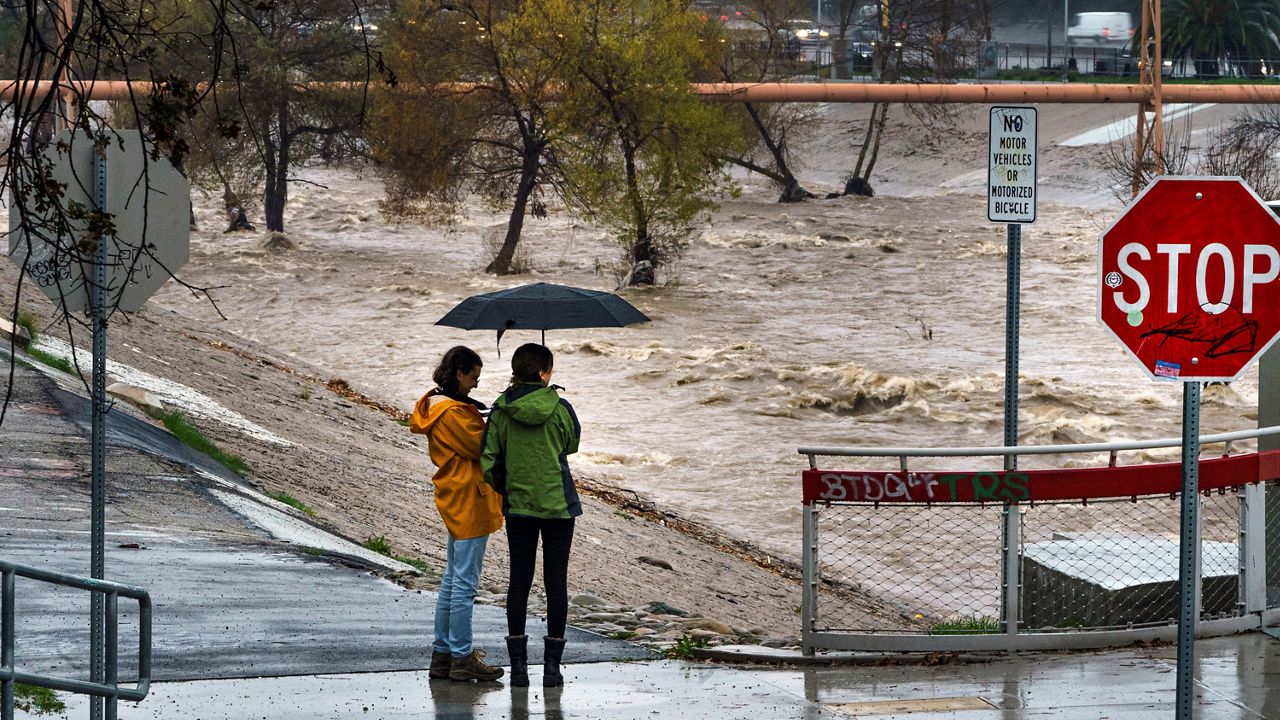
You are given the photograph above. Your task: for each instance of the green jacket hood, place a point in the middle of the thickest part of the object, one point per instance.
(528, 403)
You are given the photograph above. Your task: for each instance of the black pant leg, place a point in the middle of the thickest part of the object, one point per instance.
(557, 540)
(522, 544)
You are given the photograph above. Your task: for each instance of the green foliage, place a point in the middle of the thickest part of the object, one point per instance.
(382, 546)
(292, 502)
(420, 565)
(196, 440)
(622, 635)
(379, 545)
(1210, 30)
(440, 141)
(28, 320)
(54, 361)
(249, 131)
(683, 648)
(40, 700)
(638, 152)
(969, 625)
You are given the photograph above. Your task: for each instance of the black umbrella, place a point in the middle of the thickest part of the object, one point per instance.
(542, 306)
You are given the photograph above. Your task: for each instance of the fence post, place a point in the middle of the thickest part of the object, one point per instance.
(1269, 415)
(1253, 549)
(1012, 542)
(6, 643)
(809, 570)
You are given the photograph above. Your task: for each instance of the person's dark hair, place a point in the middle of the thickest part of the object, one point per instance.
(528, 361)
(458, 358)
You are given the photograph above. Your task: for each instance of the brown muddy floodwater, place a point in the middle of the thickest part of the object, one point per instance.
(851, 321)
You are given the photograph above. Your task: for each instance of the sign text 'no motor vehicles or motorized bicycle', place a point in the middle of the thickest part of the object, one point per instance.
(1011, 169)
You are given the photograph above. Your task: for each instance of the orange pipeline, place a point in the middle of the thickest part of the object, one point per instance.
(993, 93)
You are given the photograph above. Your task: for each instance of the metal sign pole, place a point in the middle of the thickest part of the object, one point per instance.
(1013, 293)
(1011, 516)
(1189, 556)
(98, 477)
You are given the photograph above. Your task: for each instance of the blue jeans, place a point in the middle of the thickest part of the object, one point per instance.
(457, 595)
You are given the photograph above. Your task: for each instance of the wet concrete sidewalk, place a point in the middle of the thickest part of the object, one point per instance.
(1237, 678)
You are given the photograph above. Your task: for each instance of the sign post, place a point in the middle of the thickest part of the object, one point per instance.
(1011, 199)
(1187, 282)
(150, 204)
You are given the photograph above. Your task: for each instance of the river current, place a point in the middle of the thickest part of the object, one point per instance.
(850, 321)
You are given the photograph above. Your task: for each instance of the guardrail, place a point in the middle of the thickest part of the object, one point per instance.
(110, 688)
(1084, 557)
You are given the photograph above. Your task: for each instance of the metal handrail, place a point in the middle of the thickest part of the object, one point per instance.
(1110, 447)
(110, 689)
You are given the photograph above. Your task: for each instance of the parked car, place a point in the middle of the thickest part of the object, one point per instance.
(1101, 29)
(807, 31)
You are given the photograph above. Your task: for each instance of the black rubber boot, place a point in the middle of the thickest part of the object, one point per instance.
(553, 650)
(518, 649)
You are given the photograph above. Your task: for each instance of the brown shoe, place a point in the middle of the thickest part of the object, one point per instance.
(441, 662)
(473, 667)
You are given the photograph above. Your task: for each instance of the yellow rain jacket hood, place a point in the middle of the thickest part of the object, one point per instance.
(454, 431)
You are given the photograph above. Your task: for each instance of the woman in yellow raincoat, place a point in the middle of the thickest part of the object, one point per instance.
(471, 509)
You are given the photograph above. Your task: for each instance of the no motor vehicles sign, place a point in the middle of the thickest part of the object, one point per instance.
(1011, 168)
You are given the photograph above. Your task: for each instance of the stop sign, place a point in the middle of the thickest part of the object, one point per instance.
(1189, 278)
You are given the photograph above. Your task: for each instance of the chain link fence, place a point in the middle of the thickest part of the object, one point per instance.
(1113, 564)
(935, 564)
(1100, 565)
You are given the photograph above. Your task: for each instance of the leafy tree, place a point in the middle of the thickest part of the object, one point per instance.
(766, 51)
(1210, 31)
(244, 58)
(469, 117)
(297, 92)
(635, 148)
(100, 40)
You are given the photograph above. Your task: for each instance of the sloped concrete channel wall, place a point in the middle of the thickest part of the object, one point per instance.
(1093, 551)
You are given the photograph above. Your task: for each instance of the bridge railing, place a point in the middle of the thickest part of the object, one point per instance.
(1086, 556)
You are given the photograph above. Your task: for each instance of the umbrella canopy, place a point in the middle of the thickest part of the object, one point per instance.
(542, 306)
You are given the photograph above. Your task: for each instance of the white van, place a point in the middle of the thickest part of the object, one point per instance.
(1101, 29)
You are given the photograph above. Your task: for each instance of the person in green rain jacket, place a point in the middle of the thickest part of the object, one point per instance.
(531, 433)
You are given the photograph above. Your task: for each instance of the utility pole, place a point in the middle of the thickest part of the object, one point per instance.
(1150, 65)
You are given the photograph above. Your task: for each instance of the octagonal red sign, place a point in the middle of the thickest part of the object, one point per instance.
(1189, 278)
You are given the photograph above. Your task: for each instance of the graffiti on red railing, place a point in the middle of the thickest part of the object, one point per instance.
(1000, 486)
(922, 487)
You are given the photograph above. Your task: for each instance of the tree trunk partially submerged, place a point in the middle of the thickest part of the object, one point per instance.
(793, 192)
(502, 263)
(276, 194)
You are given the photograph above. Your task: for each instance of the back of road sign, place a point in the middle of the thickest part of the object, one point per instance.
(151, 207)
